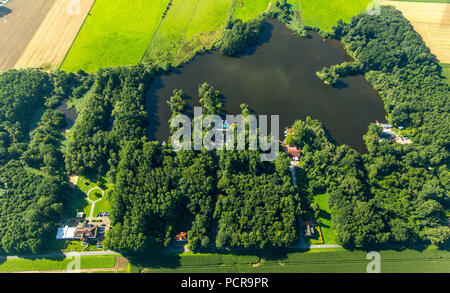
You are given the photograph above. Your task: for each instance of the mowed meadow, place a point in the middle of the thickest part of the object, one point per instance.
(325, 13)
(120, 32)
(188, 25)
(116, 32)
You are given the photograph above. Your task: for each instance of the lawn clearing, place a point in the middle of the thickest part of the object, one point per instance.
(312, 261)
(325, 219)
(103, 205)
(116, 32)
(324, 13)
(59, 263)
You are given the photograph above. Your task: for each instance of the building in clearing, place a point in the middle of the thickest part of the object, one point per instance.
(182, 236)
(65, 233)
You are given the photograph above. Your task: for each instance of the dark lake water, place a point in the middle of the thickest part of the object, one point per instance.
(277, 77)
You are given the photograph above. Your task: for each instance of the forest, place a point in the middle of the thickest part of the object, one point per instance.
(393, 194)
(33, 184)
(222, 199)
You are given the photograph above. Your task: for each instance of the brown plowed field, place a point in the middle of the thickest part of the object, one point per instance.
(55, 35)
(18, 25)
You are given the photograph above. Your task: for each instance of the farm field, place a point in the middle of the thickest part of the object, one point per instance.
(58, 263)
(19, 20)
(430, 1)
(55, 35)
(249, 9)
(432, 22)
(116, 32)
(189, 25)
(324, 13)
(313, 261)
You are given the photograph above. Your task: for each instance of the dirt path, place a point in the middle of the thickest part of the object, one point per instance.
(53, 39)
(93, 202)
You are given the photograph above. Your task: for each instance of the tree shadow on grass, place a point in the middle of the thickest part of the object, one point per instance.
(155, 261)
(76, 202)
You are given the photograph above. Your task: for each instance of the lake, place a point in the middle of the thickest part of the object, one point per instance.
(277, 77)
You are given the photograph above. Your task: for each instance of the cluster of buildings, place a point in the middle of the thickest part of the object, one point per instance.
(292, 151)
(389, 134)
(77, 229)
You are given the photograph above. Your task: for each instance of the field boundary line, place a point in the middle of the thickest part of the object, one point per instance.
(190, 21)
(232, 10)
(157, 29)
(74, 39)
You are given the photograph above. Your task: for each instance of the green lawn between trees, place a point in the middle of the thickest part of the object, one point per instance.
(313, 261)
(57, 263)
(324, 220)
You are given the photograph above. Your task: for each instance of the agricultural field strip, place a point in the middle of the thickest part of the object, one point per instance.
(92, 48)
(18, 27)
(173, 26)
(54, 37)
(183, 21)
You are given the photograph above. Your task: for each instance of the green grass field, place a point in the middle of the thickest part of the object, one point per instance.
(116, 32)
(249, 9)
(182, 31)
(324, 13)
(426, 1)
(48, 264)
(103, 205)
(325, 219)
(313, 261)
